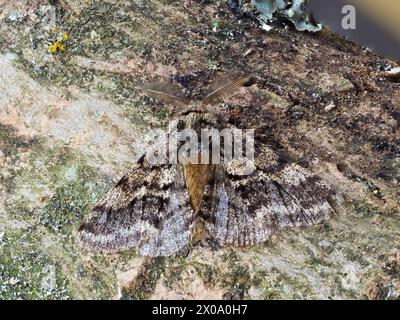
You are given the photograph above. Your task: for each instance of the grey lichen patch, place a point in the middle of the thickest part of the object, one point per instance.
(174, 267)
(97, 279)
(365, 209)
(37, 265)
(263, 288)
(12, 149)
(120, 88)
(383, 283)
(276, 284)
(67, 206)
(207, 272)
(52, 201)
(292, 10)
(73, 197)
(236, 280)
(66, 187)
(143, 287)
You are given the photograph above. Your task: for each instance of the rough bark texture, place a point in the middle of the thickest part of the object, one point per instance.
(72, 123)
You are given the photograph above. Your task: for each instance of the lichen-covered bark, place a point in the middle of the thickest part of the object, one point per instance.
(72, 122)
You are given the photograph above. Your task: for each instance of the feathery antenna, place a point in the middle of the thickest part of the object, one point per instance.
(167, 92)
(224, 87)
(227, 85)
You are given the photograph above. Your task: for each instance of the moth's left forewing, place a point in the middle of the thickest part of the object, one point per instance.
(148, 210)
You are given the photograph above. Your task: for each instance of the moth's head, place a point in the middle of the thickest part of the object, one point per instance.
(198, 120)
(193, 106)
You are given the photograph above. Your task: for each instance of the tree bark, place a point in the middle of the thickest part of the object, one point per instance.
(72, 122)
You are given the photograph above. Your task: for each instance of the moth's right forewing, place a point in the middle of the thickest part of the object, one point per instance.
(246, 210)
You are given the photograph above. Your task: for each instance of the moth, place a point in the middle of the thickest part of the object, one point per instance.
(164, 209)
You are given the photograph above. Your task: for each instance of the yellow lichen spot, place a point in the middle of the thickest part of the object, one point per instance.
(60, 42)
(57, 46)
(53, 48)
(65, 36)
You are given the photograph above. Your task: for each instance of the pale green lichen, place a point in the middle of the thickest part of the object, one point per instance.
(236, 280)
(27, 270)
(145, 284)
(45, 241)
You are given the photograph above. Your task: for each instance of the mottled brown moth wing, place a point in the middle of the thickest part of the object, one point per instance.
(246, 210)
(149, 209)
